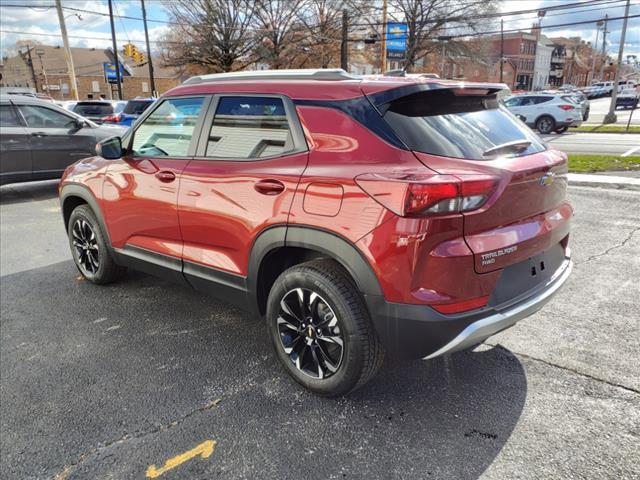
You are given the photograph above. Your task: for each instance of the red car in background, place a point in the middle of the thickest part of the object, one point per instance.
(358, 216)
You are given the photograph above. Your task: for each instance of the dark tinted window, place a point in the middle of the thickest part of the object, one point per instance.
(465, 126)
(7, 117)
(93, 109)
(136, 107)
(249, 127)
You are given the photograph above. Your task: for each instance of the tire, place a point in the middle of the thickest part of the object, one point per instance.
(545, 124)
(89, 248)
(585, 117)
(561, 129)
(335, 312)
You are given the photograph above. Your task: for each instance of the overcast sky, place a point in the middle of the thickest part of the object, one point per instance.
(93, 30)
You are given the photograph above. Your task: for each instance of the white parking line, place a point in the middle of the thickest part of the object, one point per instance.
(630, 151)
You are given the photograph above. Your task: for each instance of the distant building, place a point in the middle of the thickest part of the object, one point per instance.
(542, 63)
(520, 49)
(44, 68)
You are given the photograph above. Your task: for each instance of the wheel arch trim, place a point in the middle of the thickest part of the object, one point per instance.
(83, 192)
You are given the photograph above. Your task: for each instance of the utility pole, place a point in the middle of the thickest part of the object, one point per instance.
(604, 48)
(33, 70)
(595, 52)
(383, 43)
(501, 50)
(67, 49)
(115, 51)
(344, 46)
(611, 116)
(154, 93)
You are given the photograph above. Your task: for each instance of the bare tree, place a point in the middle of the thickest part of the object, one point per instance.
(277, 30)
(214, 34)
(322, 23)
(429, 19)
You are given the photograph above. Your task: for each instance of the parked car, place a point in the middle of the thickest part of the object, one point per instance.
(130, 113)
(39, 139)
(604, 88)
(357, 216)
(546, 112)
(95, 110)
(628, 98)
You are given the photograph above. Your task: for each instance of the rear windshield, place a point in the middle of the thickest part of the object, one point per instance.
(93, 109)
(136, 107)
(460, 126)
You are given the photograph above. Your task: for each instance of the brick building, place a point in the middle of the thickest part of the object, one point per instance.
(44, 68)
(520, 50)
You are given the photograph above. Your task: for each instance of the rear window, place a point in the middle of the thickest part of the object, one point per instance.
(93, 109)
(460, 126)
(136, 107)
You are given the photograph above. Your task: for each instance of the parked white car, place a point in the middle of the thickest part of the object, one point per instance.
(546, 113)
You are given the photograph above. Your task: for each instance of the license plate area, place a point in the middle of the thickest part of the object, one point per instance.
(521, 277)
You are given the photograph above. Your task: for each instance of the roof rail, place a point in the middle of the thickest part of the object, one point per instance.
(326, 74)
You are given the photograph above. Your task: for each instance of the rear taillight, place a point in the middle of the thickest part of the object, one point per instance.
(566, 107)
(417, 195)
(113, 118)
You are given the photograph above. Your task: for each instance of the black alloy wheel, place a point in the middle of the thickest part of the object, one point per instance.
(85, 243)
(310, 333)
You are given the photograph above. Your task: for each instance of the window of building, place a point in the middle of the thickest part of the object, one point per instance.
(249, 127)
(167, 132)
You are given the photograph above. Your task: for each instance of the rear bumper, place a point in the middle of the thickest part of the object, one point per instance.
(416, 331)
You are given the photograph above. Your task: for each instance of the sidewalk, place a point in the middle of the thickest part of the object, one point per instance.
(623, 180)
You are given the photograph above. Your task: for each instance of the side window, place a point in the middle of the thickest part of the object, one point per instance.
(8, 117)
(513, 102)
(43, 117)
(168, 130)
(247, 128)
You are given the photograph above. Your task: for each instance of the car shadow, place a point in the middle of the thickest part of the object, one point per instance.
(147, 360)
(28, 191)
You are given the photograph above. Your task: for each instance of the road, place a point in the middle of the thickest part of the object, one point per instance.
(142, 377)
(599, 107)
(595, 143)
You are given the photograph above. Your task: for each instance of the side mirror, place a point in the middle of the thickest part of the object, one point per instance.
(110, 148)
(80, 124)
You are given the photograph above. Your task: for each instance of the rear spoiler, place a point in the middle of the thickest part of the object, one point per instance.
(380, 99)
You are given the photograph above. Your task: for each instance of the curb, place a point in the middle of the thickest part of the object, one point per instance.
(604, 181)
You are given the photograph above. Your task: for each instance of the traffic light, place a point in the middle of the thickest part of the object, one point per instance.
(130, 50)
(138, 57)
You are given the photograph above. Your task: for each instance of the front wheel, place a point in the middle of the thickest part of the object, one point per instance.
(89, 248)
(321, 330)
(545, 124)
(562, 129)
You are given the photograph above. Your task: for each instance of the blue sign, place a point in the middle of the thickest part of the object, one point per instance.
(396, 37)
(110, 72)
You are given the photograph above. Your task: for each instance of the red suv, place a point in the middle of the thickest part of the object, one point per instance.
(356, 215)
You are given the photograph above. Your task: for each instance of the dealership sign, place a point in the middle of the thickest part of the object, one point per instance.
(396, 40)
(110, 72)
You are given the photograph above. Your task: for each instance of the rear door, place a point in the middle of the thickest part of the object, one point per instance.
(55, 139)
(15, 153)
(460, 134)
(250, 158)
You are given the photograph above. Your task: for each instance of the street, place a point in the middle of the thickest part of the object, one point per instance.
(119, 381)
(595, 143)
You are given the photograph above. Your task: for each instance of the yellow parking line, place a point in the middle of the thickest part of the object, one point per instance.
(204, 450)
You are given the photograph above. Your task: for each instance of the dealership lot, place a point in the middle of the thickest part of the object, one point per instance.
(105, 382)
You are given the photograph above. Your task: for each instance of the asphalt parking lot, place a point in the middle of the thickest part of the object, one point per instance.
(147, 378)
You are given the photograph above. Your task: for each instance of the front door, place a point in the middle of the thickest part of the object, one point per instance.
(250, 157)
(15, 154)
(56, 140)
(141, 189)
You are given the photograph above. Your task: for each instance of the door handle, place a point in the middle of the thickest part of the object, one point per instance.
(39, 134)
(269, 187)
(166, 176)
